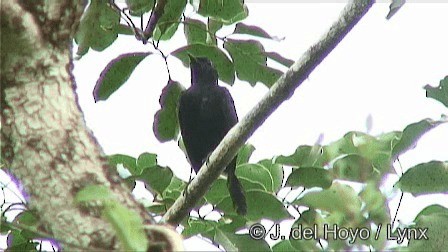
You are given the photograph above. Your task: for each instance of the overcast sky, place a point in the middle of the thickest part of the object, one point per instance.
(377, 71)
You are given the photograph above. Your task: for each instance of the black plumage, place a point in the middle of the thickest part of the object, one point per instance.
(206, 113)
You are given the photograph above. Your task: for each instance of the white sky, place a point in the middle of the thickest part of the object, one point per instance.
(379, 69)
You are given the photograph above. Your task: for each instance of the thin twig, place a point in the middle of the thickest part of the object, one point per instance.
(396, 212)
(156, 46)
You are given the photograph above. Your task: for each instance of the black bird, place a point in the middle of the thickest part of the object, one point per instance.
(206, 113)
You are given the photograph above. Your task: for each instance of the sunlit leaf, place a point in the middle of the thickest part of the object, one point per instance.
(240, 242)
(304, 155)
(244, 154)
(128, 226)
(170, 19)
(256, 173)
(139, 7)
(276, 171)
(260, 205)
(228, 13)
(433, 220)
(195, 31)
(166, 122)
(253, 30)
(250, 62)
(309, 177)
(94, 193)
(338, 197)
(431, 177)
(411, 134)
(439, 93)
(353, 167)
(116, 73)
(157, 178)
(97, 29)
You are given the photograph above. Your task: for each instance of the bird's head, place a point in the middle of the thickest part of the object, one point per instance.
(202, 71)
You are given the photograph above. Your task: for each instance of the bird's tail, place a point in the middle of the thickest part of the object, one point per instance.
(236, 190)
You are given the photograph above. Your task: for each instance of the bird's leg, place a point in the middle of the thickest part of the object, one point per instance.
(188, 183)
(207, 158)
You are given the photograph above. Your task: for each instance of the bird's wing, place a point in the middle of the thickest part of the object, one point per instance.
(187, 123)
(228, 109)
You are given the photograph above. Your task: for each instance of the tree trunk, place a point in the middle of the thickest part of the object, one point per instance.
(44, 139)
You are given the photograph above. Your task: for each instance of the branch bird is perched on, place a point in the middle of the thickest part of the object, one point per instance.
(206, 114)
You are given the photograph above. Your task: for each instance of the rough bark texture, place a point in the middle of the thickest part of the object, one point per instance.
(279, 92)
(44, 139)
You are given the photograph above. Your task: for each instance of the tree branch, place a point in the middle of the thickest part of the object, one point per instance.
(280, 91)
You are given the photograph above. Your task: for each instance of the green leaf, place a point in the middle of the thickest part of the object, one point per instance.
(375, 204)
(146, 160)
(376, 150)
(159, 208)
(353, 167)
(17, 242)
(123, 29)
(431, 177)
(250, 62)
(223, 65)
(439, 93)
(166, 122)
(174, 189)
(115, 74)
(128, 226)
(230, 12)
(139, 7)
(253, 30)
(304, 155)
(218, 191)
(309, 177)
(304, 245)
(26, 218)
(307, 218)
(411, 134)
(283, 246)
(198, 226)
(435, 220)
(94, 193)
(237, 223)
(240, 242)
(256, 173)
(352, 143)
(280, 59)
(157, 178)
(276, 172)
(429, 210)
(169, 21)
(5, 226)
(252, 185)
(212, 26)
(128, 162)
(97, 27)
(244, 154)
(195, 31)
(337, 198)
(260, 205)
